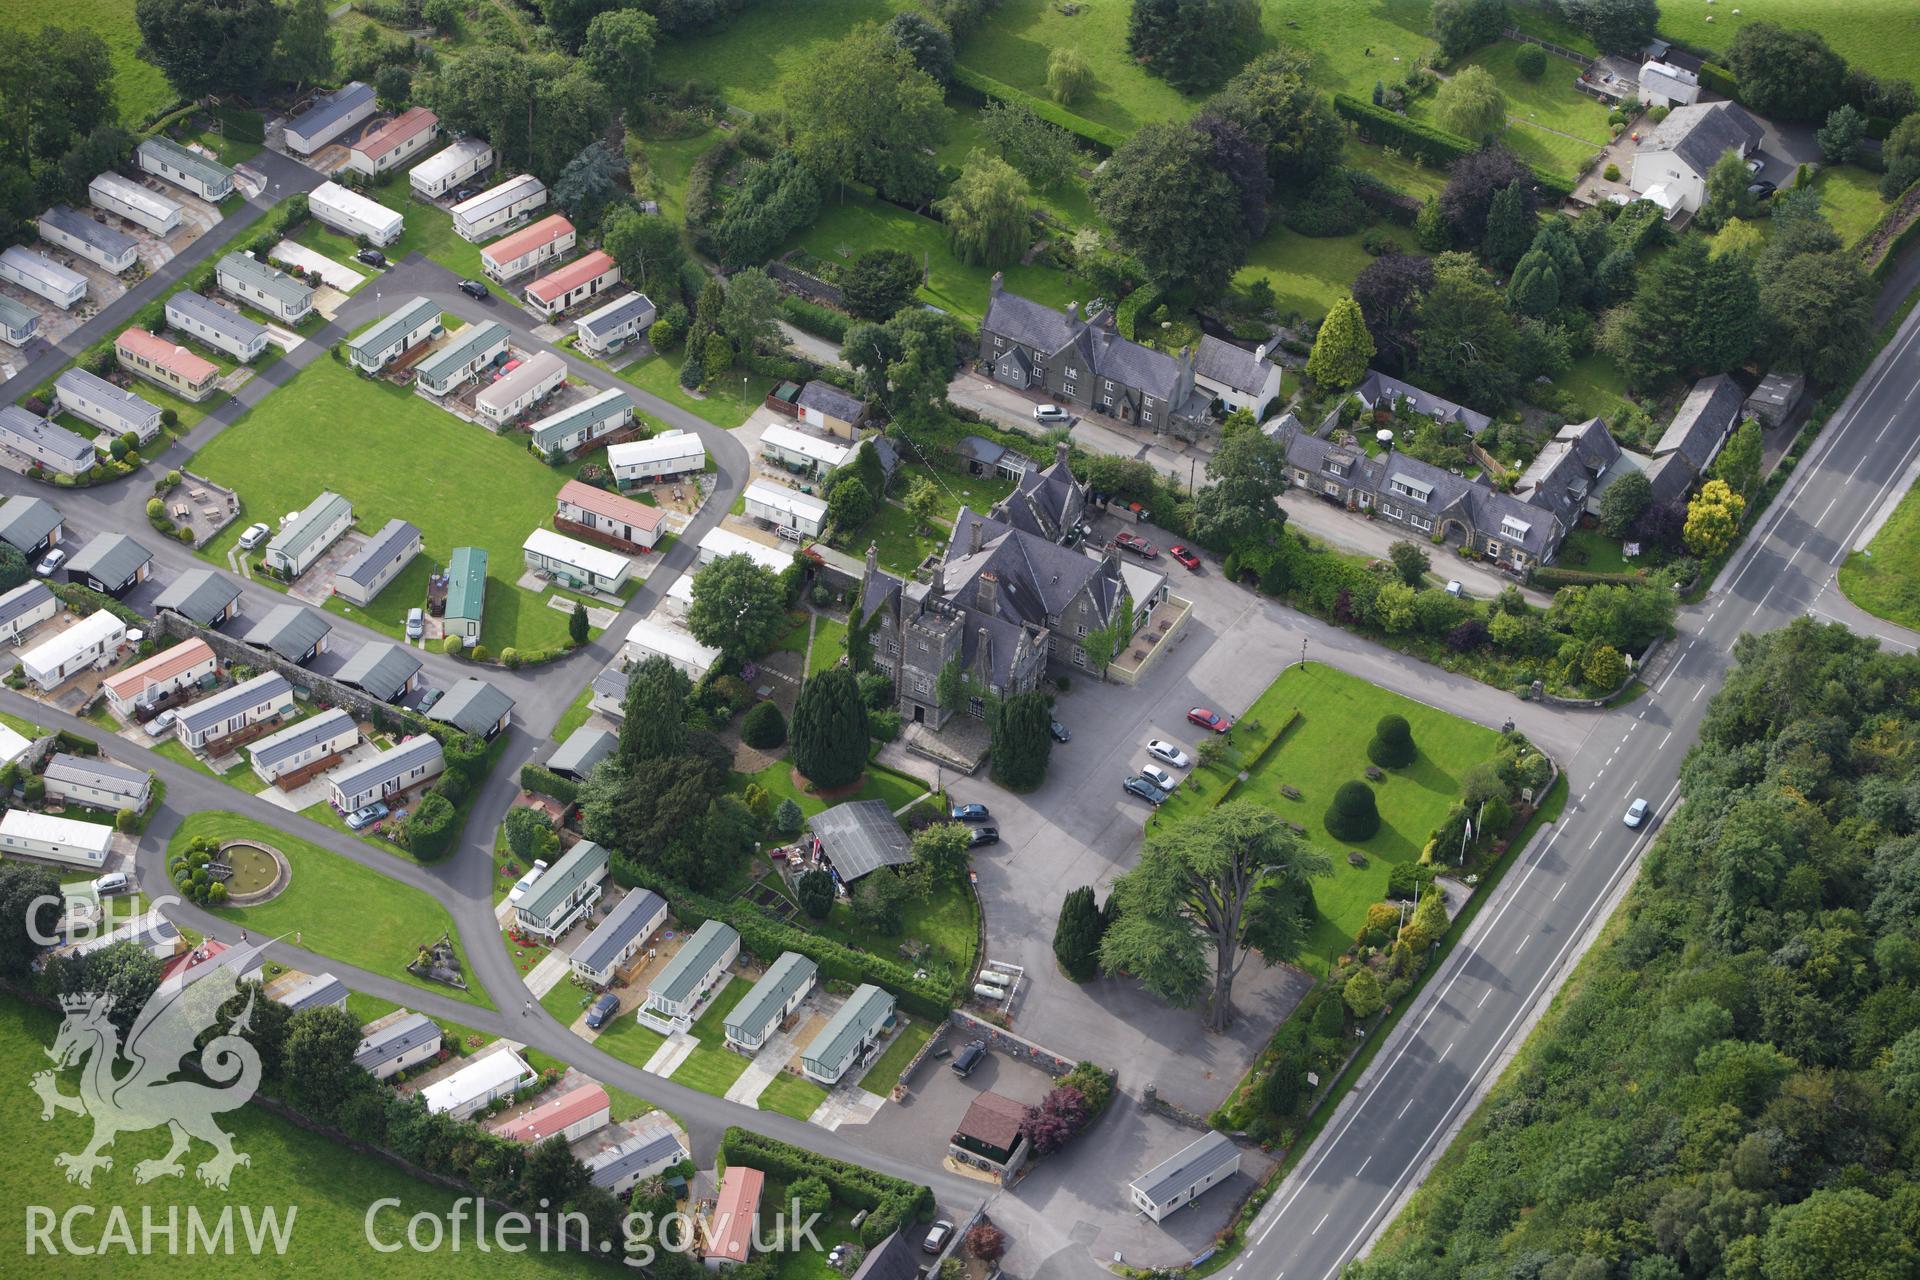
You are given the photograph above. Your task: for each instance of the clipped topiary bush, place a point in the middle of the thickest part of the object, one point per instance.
(1392, 746)
(1353, 815)
(764, 727)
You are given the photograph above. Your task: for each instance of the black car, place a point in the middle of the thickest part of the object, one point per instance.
(968, 813)
(968, 1058)
(474, 289)
(603, 1009)
(1139, 786)
(371, 257)
(1761, 190)
(1059, 731)
(977, 836)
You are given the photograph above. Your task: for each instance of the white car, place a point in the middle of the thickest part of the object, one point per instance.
(1169, 753)
(50, 565)
(1157, 776)
(111, 883)
(1050, 413)
(525, 882)
(254, 535)
(1637, 813)
(161, 724)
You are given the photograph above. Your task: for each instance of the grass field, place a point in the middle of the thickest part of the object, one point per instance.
(947, 921)
(885, 1072)
(791, 1095)
(1406, 173)
(724, 404)
(900, 546)
(241, 775)
(1327, 748)
(325, 1188)
(1310, 274)
(461, 485)
(1551, 102)
(1602, 553)
(138, 87)
(1885, 578)
(388, 921)
(628, 1041)
(829, 645)
(1881, 36)
(1597, 383)
(575, 715)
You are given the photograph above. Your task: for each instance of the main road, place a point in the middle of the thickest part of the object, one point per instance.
(1450, 1045)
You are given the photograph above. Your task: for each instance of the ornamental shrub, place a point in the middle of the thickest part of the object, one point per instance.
(1353, 815)
(1392, 746)
(764, 727)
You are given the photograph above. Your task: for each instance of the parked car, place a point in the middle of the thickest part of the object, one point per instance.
(1136, 544)
(603, 1008)
(1159, 777)
(416, 623)
(968, 1058)
(1209, 720)
(430, 697)
(978, 836)
(371, 257)
(111, 883)
(1050, 413)
(1059, 731)
(1160, 749)
(50, 563)
(1637, 813)
(253, 536)
(1455, 589)
(161, 725)
(1755, 164)
(968, 813)
(475, 290)
(1761, 190)
(937, 1238)
(1185, 557)
(1139, 786)
(525, 882)
(365, 816)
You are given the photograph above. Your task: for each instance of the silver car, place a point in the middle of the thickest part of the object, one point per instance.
(1637, 813)
(1165, 751)
(1158, 777)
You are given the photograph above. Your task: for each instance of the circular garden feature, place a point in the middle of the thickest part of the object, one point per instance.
(1353, 815)
(237, 873)
(1392, 746)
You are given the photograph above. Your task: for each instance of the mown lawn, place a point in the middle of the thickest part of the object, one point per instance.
(751, 56)
(241, 775)
(712, 1068)
(1405, 173)
(1326, 749)
(791, 1095)
(575, 715)
(1596, 383)
(1551, 101)
(670, 165)
(829, 645)
(340, 908)
(900, 544)
(725, 403)
(429, 231)
(1885, 578)
(392, 453)
(896, 789)
(1310, 274)
(1602, 554)
(1876, 35)
(885, 1072)
(1850, 197)
(628, 1041)
(947, 921)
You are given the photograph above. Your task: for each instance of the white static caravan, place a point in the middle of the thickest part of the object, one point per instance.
(97, 242)
(1181, 1178)
(219, 327)
(396, 1042)
(447, 168)
(585, 277)
(461, 359)
(95, 400)
(265, 288)
(351, 213)
(330, 116)
(500, 207)
(135, 203)
(579, 425)
(573, 561)
(42, 276)
(44, 443)
(187, 169)
(527, 248)
(512, 394)
(613, 326)
(720, 541)
(91, 642)
(404, 328)
(793, 514)
(395, 142)
(671, 453)
(18, 323)
(41, 835)
(648, 638)
(496, 1075)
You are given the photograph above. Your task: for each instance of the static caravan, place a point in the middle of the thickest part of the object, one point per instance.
(395, 142)
(18, 323)
(378, 562)
(45, 444)
(677, 990)
(526, 249)
(219, 327)
(407, 764)
(793, 514)
(24, 608)
(649, 638)
(97, 242)
(500, 207)
(92, 642)
(98, 783)
(168, 364)
(266, 288)
(408, 325)
(577, 426)
(521, 388)
(466, 594)
(571, 1116)
(717, 542)
(620, 1168)
(460, 361)
(574, 562)
(849, 1036)
(295, 754)
(499, 1074)
(297, 991)
(613, 326)
(801, 453)
(669, 454)
(781, 989)
(447, 168)
(185, 168)
(396, 1042)
(305, 537)
(114, 410)
(330, 116)
(565, 891)
(218, 716)
(616, 939)
(584, 278)
(41, 835)
(583, 508)
(144, 683)
(1181, 1178)
(42, 276)
(352, 214)
(111, 563)
(736, 1217)
(135, 203)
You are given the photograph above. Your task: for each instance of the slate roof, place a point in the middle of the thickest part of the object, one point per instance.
(1565, 472)
(629, 919)
(199, 595)
(622, 311)
(274, 748)
(25, 521)
(111, 558)
(862, 836)
(472, 706)
(1036, 578)
(1187, 1166)
(1377, 386)
(831, 400)
(1236, 367)
(1701, 133)
(395, 1039)
(1029, 323)
(290, 630)
(24, 598)
(642, 1150)
(1670, 477)
(330, 108)
(377, 552)
(381, 669)
(1710, 411)
(584, 748)
(1043, 503)
(895, 1258)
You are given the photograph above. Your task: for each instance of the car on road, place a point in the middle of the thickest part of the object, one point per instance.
(371, 258)
(525, 882)
(253, 536)
(1059, 731)
(1050, 413)
(937, 1238)
(366, 815)
(1136, 785)
(430, 697)
(50, 563)
(603, 1008)
(416, 624)
(968, 813)
(160, 725)
(111, 883)
(1209, 719)
(1637, 813)
(1136, 544)
(978, 836)
(475, 290)
(1160, 749)
(1185, 557)
(968, 1058)
(1159, 777)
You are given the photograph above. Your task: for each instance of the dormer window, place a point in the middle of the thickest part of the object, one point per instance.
(1514, 529)
(1418, 490)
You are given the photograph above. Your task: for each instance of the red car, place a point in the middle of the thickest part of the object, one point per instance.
(1184, 556)
(1136, 544)
(1209, 720)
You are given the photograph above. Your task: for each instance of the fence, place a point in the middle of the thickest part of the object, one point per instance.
(1557, 50)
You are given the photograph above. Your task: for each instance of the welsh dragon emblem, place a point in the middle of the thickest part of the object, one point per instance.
(129, 1088)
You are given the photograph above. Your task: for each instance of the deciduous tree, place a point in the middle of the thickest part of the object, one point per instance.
(1789, 75)
(304, 54)
(1069, 75)
(1713, 519)
(618, 50)
(1045, 153)
(738, 606)
(1172, 209)
(1461, 26)
(211, 46)
(1819, 313)
(1625, 500)
(987, 212)
(1193, 44)
(319, 1070)
(864, 110)
(647, 247)
(1470, 103)
(1248, 471)
(943, 849)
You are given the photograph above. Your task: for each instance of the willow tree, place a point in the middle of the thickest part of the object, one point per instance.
(988, 211)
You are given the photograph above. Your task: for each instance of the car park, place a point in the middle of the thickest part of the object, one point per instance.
(1159, 777)
(525, 882)
(416, 624)
(1059, 731)
(474, 289)
(1637, 813)
(365, 816)
(50, 563)
(1136, 785)
(1184, 556)
(968, 1058)
(253, 536)
(978, 836)
(160, 725)
(1160, 749)
(1050, 413)
(968, 813)
(603, 1009)
(937, 1237)
(1209, 719)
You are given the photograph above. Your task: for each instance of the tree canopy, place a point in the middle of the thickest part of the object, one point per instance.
(1193, 44)
(865, 110)
(738, 606)
(1172, 209)
(987, 211)
(829, 729)
(211, 46)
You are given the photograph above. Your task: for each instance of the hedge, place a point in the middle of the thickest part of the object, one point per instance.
(1388, 128)
(1551, 576)
(1384, 198)
(1719, 80)
(890, 1202)
(545, 782)
(970, 83)
(1145, 298)
(1890, 253)
(766, 937)
(811, 317)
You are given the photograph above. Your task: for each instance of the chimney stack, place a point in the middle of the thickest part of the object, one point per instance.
(986, 593)
(997, 284)
(1073, 312)
(873, 558)
(976, 535)
(1061, 453)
